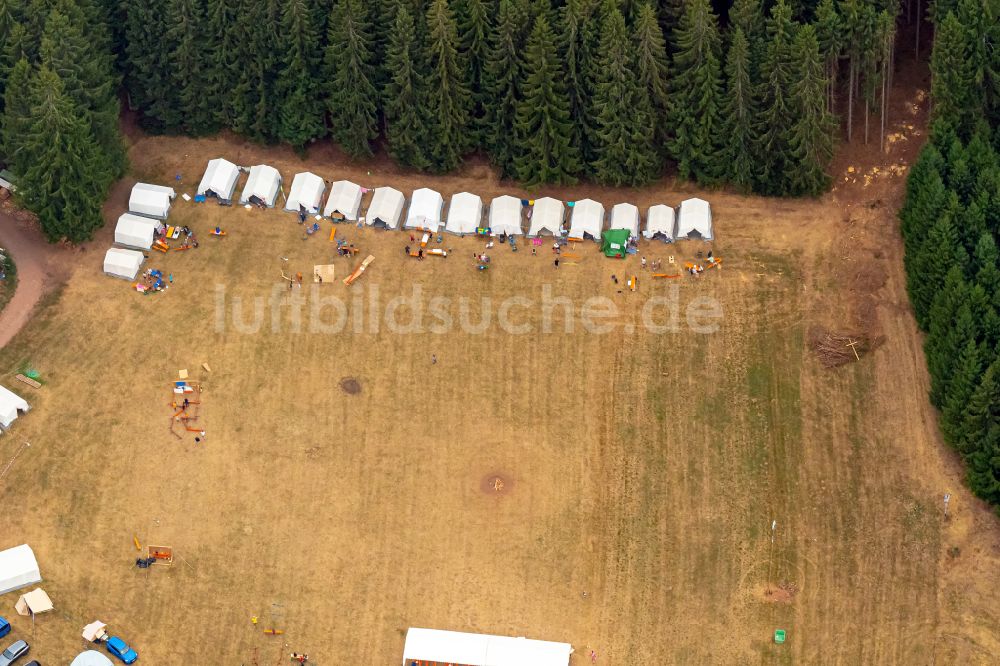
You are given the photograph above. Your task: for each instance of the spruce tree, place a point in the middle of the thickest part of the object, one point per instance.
(939, 252)
(405, 96)
(189, 63)
(258, 113)
(16, 115)
(223, 79)
(62, 172)
(352, 99)
(966, 373)
(810, 143)
(580, 35)
(696, 95)
(301, 117)
(449, 103)
(88, 78)
(543, 130)
(776, 116)
(623, 132)
(501, 77)
(473, 19)
(980, 436)
(10, 25)
(147, 77)
(651, 69)
(952, 79)
(828, 31)
(739, 114)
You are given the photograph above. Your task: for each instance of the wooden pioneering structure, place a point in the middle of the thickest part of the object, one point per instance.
(186, 407)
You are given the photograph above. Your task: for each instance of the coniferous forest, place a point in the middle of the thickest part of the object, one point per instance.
(753, 95)
(951, 227)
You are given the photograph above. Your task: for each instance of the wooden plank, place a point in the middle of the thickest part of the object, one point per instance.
(29, 381)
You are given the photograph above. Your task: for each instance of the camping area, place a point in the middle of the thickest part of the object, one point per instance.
(614, 491)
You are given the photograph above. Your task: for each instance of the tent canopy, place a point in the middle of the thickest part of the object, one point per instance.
(614, 242)
(386, 208)
(587, 220)
(263, 184)
(219, 180)
(122, 263)
(660, 223)
(33, 603)
(18, 568)
(151, 200)
(695, 220)
(135, 232)
(425, 210)
(94, 631)
(465, 213)
(625, 216)
(546, 217)
(10, 404)
(344, 201)
(453, 647)
(505, 215)
(91, 658)
(307, 191)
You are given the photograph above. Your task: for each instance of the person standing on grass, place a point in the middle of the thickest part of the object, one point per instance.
(407, 250)
(434, 359)
(556, 263)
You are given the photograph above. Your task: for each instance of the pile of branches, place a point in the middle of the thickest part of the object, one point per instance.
(836, 348)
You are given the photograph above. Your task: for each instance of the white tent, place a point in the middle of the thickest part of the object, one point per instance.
(151, 200)
(33, 603)
(18, 568)
(660, 223)
(95, 631)
(694, 220)
(122, 263)
(546, 217)
(307, 190)
(453, 647)
(219, 180)
(465, 213)
(386, 208)
(505, 216)
(587, 220)
(134, 232)
(344, 201)
(425, 210)
(625, 216)
(91, 658)
(10, 404)
(263, 184)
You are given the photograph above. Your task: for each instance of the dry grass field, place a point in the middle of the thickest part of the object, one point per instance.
(641, 470)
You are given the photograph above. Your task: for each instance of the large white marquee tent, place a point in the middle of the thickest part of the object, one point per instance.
(18, 568)
(307, 190)
(219, 180)
(694, 221)
(151, 200)
(134, 232)
(660, 223)
(344, 201)
(587, 220)
(625, 216)
(122, 263)
(386, 208)
(10, 404)
(465, 213)
(453, 647)
(425, 210)
(505, 216)
(546, 217)
(262, 185)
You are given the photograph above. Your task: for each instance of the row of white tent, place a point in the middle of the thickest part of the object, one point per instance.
(465, 213)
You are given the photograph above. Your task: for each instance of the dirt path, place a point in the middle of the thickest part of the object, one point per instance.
(36, 271)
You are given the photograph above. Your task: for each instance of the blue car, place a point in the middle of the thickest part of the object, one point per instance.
(4, 627)
(120, 649)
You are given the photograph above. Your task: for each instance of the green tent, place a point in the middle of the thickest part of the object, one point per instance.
(614, 242)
